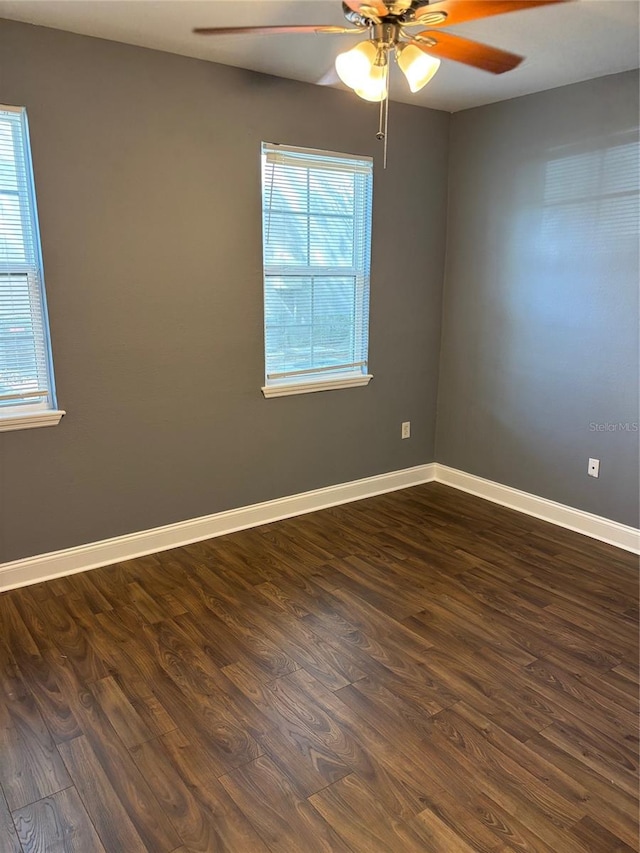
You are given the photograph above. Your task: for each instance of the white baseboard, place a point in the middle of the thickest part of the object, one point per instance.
(71, 560)
(578, 520)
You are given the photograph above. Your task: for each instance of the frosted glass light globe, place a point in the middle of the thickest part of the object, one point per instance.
(374, 87)
(354, 66)
(417, 66)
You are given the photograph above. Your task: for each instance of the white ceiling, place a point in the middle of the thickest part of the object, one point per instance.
(563, 44)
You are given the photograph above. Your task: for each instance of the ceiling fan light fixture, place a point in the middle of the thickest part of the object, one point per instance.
(417, 66)
(375, 87)
(354, 66)
(372, 94)
(364, 69)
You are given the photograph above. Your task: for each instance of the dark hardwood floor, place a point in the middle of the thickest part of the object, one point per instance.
(420, 671)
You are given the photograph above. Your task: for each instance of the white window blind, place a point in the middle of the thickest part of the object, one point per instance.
(316, 252)
(26, 381)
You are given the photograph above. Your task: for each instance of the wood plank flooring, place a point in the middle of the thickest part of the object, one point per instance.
(420, 671)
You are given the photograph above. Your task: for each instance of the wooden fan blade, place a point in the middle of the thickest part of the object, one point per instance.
(461, 11)
(364, 7)
(449, 46)
(273, 30)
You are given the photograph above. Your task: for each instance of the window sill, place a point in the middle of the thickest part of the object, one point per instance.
(30, 420)
(310, 387)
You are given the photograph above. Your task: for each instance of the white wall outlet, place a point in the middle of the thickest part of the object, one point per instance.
(406, 429)
(593, 469)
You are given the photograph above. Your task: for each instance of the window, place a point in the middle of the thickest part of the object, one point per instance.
(316, 217)
(27, 393)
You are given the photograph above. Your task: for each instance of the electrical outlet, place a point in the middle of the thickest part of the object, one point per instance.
(406, 429)
(593, 469)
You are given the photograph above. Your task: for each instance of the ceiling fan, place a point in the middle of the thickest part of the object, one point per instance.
(389, 27)
(387, 22)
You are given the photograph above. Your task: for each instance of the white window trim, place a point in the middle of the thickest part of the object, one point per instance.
(45, 413)
(29, 420)
(309, 384)
(287, 389)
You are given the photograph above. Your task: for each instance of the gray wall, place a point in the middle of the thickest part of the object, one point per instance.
(147, 175)
(148, 185)
(540, 333)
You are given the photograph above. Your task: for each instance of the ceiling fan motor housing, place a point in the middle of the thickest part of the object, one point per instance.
(398, 12)
(386, 34)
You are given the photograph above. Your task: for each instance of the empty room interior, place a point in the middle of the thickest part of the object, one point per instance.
(319, 451)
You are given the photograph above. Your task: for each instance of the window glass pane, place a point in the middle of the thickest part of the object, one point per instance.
(331, 192)
(20, 350)
(334, 319)
(288, 188)
(286, 239)
(12, 242)
(310, 321)
(288, 310)
(289, 301)
(8, 172)
(331, 241)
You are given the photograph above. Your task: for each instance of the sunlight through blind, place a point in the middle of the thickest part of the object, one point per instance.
(316, 251)
(592, 199)
(25, 378)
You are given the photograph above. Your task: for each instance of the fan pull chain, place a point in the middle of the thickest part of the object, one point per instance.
(386, 123)
(383, 120)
